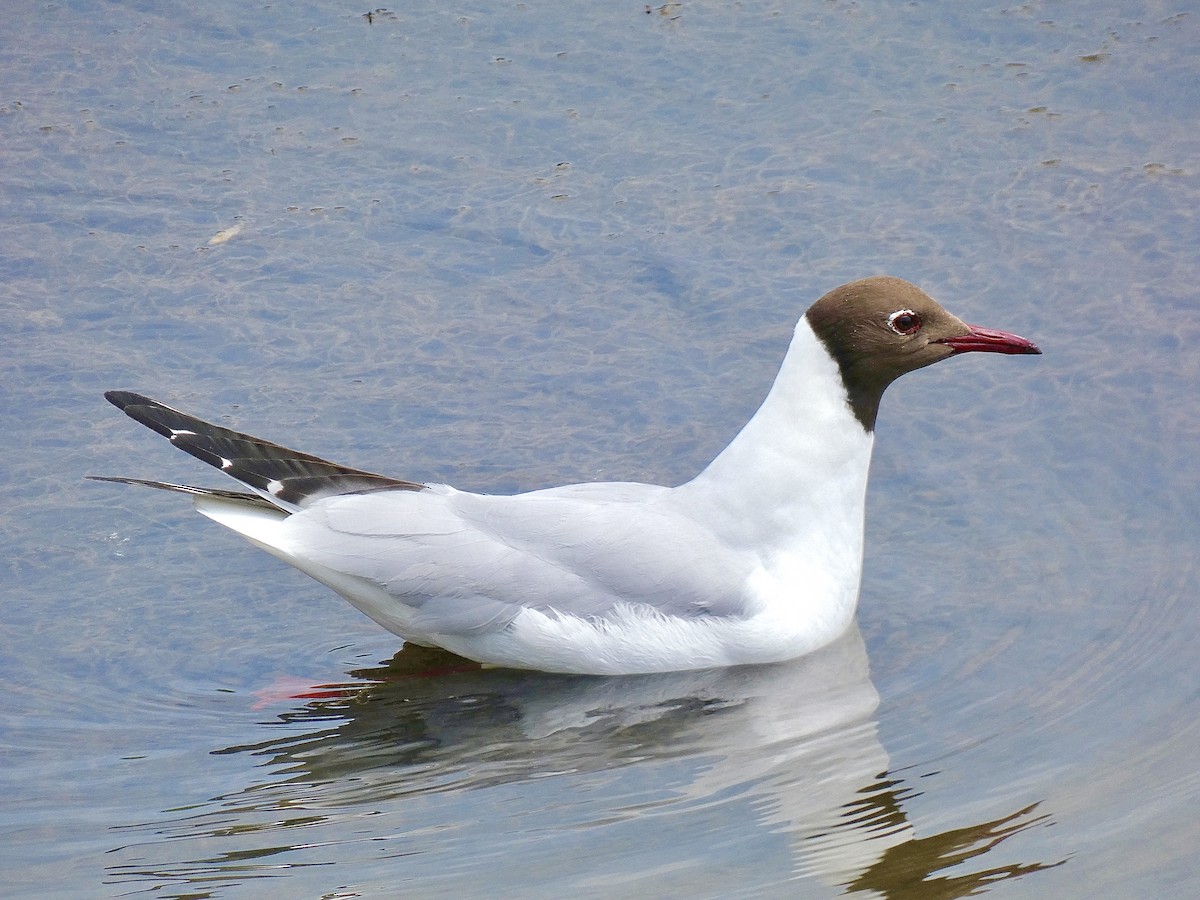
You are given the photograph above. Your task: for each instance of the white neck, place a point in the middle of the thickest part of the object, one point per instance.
(796, 474)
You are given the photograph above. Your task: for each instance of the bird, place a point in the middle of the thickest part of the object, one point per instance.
(756, 560)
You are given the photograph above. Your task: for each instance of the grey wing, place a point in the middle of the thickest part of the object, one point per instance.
(467, 563)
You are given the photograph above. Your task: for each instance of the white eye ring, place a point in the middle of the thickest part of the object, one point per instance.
(901, 327)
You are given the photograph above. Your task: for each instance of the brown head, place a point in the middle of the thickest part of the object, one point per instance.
(879, 328)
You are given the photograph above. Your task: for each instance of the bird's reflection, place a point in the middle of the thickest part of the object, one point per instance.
(797, 740)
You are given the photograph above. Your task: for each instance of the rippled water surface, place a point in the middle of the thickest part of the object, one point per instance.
(511, 245)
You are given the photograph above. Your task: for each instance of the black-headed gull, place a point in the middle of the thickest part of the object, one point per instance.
(757, 559)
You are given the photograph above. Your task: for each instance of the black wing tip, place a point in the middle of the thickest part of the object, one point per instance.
(129, 401)
(238, 496)
(122, 399)
(115, 479)
(145, 410)
(287, 475)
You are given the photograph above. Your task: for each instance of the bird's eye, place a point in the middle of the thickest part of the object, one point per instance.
(904, 321)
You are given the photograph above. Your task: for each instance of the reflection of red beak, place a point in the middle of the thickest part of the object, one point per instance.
(986, 340)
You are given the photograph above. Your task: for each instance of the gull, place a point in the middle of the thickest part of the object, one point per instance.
(757, 559)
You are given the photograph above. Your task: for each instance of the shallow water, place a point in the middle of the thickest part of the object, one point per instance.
(511, 247)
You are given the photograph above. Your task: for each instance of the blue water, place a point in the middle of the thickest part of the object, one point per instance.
(512, 246)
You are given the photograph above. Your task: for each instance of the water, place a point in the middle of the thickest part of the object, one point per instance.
(508, 247)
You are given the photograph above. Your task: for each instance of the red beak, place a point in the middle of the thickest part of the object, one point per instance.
(986, 340)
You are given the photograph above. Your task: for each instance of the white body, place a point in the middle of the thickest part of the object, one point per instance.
(757, 559)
